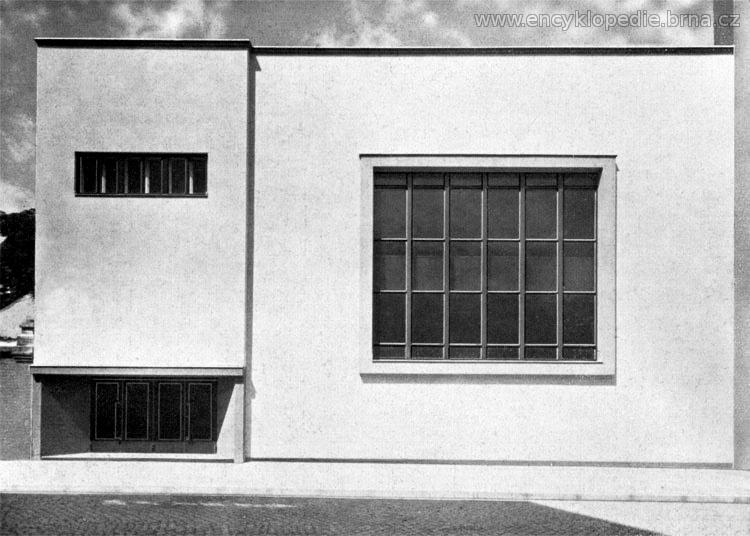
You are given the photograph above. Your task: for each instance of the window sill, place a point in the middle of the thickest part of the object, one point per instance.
(488, 368)
(138, 456)
(149, 196)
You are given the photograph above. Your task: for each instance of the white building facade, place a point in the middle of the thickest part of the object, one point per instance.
(498, 255)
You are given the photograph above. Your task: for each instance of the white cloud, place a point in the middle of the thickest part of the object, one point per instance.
(18, 138)
(180, 18)
(14, 198)
(363, 33)
(395, 23)
(430, 19)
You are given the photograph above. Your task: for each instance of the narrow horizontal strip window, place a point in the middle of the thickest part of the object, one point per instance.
(141, 174)
(484, 266)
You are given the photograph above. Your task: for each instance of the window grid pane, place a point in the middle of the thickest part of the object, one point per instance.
(462, 294)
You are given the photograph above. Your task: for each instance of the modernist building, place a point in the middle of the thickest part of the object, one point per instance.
(521, 255)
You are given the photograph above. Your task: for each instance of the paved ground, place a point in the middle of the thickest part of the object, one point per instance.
(61, 515)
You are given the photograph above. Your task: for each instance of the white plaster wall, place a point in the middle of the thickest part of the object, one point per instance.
(669, 120)
(141, 282)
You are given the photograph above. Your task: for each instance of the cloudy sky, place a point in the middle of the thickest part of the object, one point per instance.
(313, 23)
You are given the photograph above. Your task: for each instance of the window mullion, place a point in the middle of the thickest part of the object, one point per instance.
(446, 266)
(483, 271)
(408, 251)
(522, 266)
(560, 246)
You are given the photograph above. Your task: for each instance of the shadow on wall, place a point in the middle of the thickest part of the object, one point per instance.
(252, 67)
(66, 413)
(487, 379)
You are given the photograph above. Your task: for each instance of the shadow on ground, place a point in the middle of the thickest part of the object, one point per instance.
(146, 515)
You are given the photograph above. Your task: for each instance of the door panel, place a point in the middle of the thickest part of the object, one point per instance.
(107, 402)
(170, 411)
(199, 411)
(136, 410)
(153, 415)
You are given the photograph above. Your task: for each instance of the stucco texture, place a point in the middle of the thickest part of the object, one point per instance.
(157, 282)
(669, 120)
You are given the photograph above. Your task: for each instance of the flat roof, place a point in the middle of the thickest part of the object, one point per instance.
(97, 42)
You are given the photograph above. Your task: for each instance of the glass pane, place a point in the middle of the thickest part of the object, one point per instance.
(466, 213)
(390, 179)
(578, 213)
(199, 176)
(502, 179)
(136, 411)
(430, 180)
(466, 180)
(537, 352)
(502, 352)
(582, 179)
(502, 213)
(134, 176)
(464, 352)
(502, 318)
(427, 352)
(578, 318)
(110, 176)
(170, 411)
(179, 175)
(121, 176)
(579, 354)
(427, 318)
(541, 213)
(465, 318)
(388, 352)
(389, 319)
(578, 266)
(541, 265)
(390, 213)
(88, 174)
(427, 266)
(199, 419)
(106, 411)
(154, 176)
(389, 266)
(427, 218)
(502, 266)
(541, 318)
(541, 179)
(465, 266)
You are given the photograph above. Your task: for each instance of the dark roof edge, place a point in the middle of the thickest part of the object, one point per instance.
(96, 42)
(491, 51)
(104, 42)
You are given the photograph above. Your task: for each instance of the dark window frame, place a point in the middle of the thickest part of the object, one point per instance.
(153, 417)
(563, 180)
(122, 161)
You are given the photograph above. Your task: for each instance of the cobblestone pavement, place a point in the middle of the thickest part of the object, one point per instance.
(61, 515)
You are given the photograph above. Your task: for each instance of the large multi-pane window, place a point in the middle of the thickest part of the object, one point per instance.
(485, 266)
(134, 174)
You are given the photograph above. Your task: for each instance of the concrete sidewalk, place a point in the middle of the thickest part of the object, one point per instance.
(378, 480)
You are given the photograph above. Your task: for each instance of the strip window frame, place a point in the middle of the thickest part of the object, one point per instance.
(144, 158)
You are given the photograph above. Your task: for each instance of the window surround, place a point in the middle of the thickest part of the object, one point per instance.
(606, 261)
